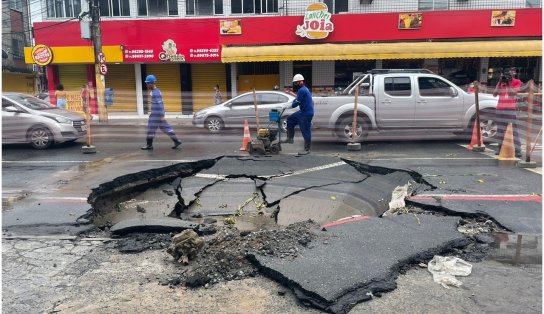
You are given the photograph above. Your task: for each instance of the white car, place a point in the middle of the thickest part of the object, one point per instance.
(27, 119)
(235, 111)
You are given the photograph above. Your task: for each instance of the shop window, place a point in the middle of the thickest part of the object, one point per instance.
(254, 6)
(398, 86)
(63, 8)
(114, 7)
(157, 7)
(533, 3)
(429, 5)
(337, 6)
(204, 7)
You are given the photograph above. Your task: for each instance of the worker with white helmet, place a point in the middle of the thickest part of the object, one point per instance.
(303, 117)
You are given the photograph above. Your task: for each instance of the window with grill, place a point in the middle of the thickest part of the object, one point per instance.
(157, 7)
(398, 86)
(114, 7)
(254, 6)
(17, 48)
(429, 5)
(337, 6)
(258, 68)
(16, 5)
(63, 8)
(204, 7)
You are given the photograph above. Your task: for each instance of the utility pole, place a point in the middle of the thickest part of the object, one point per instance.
(96, 36)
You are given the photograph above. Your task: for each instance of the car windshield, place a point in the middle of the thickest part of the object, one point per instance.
(31, 102)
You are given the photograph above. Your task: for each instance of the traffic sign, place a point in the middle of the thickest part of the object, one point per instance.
(103, 69)
(101, 58)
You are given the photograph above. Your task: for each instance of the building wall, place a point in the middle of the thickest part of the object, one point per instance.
(15, 25)
(298, 7)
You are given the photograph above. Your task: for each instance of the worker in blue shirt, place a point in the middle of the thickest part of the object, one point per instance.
(303, 117)
(156, 118)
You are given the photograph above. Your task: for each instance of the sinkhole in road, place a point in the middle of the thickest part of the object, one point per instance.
(286, 212)
(253, 193)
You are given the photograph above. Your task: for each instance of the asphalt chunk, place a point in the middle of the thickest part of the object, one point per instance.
(350, 262)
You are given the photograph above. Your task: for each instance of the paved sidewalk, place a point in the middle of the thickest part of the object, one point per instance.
(126, 118)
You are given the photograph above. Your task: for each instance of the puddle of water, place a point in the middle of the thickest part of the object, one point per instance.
(517, 249)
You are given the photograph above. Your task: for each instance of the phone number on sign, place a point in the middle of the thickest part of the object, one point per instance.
(204, 55)
(139, 51)
(139, 56)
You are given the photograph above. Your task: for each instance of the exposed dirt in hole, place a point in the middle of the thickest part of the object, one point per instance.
(223, 257)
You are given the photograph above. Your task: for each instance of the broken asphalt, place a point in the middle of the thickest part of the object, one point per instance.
(360, 257)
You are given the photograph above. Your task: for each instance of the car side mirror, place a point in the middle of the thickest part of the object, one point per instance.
(13, 109)
(453, 92)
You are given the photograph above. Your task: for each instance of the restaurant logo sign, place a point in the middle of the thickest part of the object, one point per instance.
(42, 55)
(317, 22)
(170, 52)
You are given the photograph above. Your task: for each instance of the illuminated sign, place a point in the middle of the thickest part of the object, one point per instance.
(42, 55)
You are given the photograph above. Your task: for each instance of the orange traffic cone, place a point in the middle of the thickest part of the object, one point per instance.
(474, 139)
(247, 137)
(508, 152)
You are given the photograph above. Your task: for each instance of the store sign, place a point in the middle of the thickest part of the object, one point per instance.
(188, 53)
(503, 18)
(230, 27)
(170, 52)
(317, 22)
(42, 55)
(410, 20)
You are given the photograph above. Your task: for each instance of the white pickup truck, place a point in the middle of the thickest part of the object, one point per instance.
(403, 105)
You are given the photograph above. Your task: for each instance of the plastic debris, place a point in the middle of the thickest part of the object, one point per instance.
(444, 270)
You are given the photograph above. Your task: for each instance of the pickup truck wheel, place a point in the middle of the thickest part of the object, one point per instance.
(489, 129)
(345, 127)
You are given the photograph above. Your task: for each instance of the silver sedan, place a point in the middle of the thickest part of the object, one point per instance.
(27, 119)
(235, 111)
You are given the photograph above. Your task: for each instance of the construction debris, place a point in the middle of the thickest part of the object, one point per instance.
(185, 246)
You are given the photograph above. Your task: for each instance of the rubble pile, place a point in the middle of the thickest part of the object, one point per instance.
(223, 256)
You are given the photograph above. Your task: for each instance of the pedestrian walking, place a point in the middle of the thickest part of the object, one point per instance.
(60, 95)
(303, 117)
(506, 111)
(156, 118)
(85, 101)
(217, 96)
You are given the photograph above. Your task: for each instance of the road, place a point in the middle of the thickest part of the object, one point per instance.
(44, 192)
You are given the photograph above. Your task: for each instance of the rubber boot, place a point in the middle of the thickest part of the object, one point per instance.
(306, 150)
(176, 142)
(290, 135)
(149, 145)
